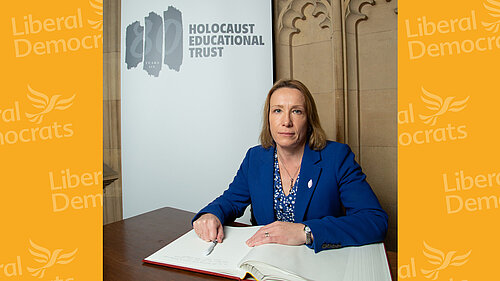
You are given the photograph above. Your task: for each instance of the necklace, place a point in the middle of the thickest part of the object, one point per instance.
(286, 170)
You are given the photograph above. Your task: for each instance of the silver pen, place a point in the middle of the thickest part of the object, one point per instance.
(211, 248)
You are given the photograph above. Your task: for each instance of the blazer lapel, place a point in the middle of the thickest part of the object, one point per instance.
(309, 175)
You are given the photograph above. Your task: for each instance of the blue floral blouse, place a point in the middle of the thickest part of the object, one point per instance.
(284, 205)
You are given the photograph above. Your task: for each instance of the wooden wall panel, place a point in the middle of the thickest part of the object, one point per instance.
(111, 109)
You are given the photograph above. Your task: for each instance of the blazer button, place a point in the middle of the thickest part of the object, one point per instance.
(324, 246)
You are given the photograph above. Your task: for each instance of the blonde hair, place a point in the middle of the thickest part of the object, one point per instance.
(315, 134)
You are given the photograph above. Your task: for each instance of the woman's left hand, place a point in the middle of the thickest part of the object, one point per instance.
(279, 232)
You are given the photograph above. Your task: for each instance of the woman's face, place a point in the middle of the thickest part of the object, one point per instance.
(288, 118)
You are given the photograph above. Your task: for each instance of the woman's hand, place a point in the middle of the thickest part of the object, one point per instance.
(209, 228)
(286, 233)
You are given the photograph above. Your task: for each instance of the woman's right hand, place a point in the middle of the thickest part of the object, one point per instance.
(208, 227)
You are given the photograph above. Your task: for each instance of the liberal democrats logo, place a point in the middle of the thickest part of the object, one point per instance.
(440, 106)
(42, 101)
(48, 258)
(493, 8)
(156, 43)
(442, 260)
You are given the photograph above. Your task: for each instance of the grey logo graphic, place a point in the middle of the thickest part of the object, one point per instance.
(153, 44)
(173, 38)
(160, 41)
(134, 44)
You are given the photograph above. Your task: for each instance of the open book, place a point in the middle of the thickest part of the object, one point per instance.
(234, 259)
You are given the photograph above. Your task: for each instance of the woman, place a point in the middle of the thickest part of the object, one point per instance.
(297, 183)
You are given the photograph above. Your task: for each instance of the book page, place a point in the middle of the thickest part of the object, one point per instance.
(366, 263)
(302, 261)
(189, 251)
(264, 272)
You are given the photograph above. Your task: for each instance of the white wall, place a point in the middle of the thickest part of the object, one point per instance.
(184, 134)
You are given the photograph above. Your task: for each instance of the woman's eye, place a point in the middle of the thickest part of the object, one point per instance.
(297, 111)
(277, 110)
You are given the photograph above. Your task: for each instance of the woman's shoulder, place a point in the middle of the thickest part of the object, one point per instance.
(338, 153)
(336, 147)
(259, 149)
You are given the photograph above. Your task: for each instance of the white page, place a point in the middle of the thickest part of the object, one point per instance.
(348, 276)
(383, 263)
(300, 260)
(273, 273)
(367, 263)
(189, 251)
(351, 266)
(363, 263)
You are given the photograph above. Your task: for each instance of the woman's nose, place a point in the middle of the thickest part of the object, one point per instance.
(287, 122)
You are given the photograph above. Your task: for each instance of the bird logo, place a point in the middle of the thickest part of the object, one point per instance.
(436, 103)
(493, 8)
(48, 259)
(97, 5)
(437, 257)
(43, 102)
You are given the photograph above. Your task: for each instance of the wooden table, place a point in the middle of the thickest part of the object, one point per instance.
(129, 241)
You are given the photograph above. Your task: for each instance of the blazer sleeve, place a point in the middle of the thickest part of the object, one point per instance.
(365, 221)
(233, 202)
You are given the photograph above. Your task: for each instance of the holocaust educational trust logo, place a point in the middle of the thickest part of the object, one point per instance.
(158, 42)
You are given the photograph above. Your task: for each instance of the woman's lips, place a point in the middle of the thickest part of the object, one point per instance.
(286, 134)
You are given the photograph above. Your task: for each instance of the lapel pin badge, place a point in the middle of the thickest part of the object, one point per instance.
(310, 183)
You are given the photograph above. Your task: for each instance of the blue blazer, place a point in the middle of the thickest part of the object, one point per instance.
(329, 179)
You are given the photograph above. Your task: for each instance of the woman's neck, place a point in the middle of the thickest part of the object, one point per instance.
(291, 154)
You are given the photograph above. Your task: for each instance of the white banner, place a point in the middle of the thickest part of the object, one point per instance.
(194, 78)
